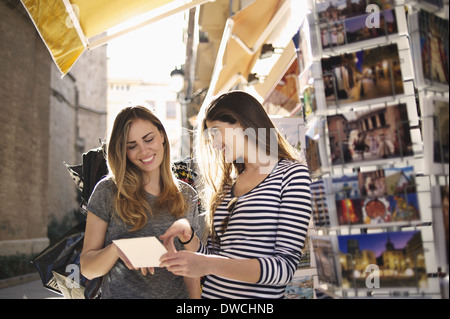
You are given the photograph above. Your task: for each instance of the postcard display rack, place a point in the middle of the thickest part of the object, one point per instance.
(374, 89)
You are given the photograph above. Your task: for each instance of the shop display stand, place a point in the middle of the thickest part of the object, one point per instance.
(418, 96)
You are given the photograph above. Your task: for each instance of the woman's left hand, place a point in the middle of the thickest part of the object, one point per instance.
(179, 228)
(185, 263)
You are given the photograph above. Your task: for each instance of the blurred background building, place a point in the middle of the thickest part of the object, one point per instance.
(45, 120)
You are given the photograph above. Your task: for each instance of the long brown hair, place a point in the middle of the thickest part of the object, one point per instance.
(130, 200)
(218, 175)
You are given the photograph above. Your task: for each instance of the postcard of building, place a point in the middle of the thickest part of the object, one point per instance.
(373, 135)
(398, 258)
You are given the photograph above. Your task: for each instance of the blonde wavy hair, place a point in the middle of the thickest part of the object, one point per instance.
(130, 200)
(217, 175)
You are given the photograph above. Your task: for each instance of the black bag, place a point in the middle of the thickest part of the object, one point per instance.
(87, 174)
(59, 264)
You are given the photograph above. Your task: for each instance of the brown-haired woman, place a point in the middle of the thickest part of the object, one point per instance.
(139, 198)
(257, 194)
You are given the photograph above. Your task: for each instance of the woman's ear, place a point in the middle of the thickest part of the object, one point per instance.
(162, 138)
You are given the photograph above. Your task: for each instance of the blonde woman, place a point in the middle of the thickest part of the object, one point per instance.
(139, 198)
(257, 194)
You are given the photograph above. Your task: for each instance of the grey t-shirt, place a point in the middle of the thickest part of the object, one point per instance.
(122, 282)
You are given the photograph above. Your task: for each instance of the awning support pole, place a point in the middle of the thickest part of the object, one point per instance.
(76, 22)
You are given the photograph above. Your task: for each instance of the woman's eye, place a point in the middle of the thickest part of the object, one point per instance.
(213, 133)
(131, 147)
(149, 140)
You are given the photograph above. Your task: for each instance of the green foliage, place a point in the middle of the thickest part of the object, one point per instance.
(15, 265)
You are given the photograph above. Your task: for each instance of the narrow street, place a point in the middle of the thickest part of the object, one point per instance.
(30, 290)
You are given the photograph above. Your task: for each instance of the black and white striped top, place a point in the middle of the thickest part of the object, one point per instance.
(269, 223)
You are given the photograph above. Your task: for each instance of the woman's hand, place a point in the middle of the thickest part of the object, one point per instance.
(185, 263)
(127, 263)
(180, 228)
(190, 264)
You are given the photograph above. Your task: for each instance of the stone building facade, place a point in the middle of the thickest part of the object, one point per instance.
(44, 121)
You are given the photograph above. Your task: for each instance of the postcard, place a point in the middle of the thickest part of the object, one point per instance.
(370, 74)
(349, 211)
(320, 213)
(372, 184)
(316, 148)
(305, 258)
(375, 197)
(440, 201)
(357, 28)
(398, 258)
(435, 135)
(353, 29)
(312, 156)
(404, 207)
(376, 211)
(307, 93)
(326, 259)
(434, 47)
(300, 288)
(142, 251)
(370, 135)
(346, 186)
(430, 50)
(347, 199)
(400, 180)
(334, 10)
(445, 203)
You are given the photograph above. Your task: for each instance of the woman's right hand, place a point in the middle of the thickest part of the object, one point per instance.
(180, 228)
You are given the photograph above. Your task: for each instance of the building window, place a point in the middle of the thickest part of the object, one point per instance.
(171, 110)
(382, 119)
(374, 122)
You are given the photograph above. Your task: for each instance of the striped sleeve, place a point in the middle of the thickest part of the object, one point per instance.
(202, 248)
(293, 221)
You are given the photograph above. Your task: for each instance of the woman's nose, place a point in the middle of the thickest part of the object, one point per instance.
(142, 148)
(217, 145)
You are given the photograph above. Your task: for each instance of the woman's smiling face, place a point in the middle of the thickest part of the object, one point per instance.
(145, 147)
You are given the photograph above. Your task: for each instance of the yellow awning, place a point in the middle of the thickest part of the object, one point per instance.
(66, 25)
(242, 39)
(278, 70)
(245, 33)
(100, 15)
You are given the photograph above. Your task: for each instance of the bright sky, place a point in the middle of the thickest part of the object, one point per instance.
(149, 53)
